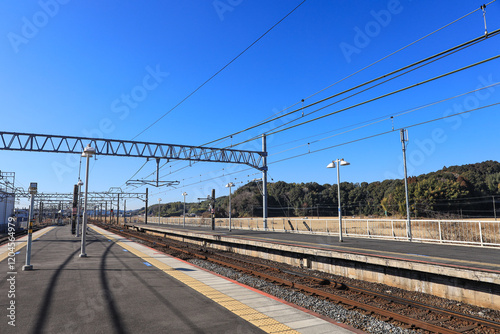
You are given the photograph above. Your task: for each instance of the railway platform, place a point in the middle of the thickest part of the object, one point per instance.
(464, 273)
(125, 287)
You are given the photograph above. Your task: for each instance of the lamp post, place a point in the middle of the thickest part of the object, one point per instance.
(229, 185)
(184, 214)
(339, 163)
(159, 201)
(88, 152)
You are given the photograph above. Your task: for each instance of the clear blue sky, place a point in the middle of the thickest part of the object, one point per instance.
(67, 68)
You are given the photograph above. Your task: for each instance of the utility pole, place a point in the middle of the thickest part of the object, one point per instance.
(40, 213)
(494, 208)
(404, 140)
(213, 209)
(118, 210)
(105, 211)
(146, 211)
(264, 181)
(124, 212)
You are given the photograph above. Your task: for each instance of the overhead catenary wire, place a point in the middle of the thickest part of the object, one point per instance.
(350, 142)
(381, 96)
(384, 95)
(269, 119)
(275, 118)
(384, 133)
(379, 119)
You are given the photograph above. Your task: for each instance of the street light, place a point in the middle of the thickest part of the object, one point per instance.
(340, 162)
(159, 201)
(229, 185)
(184, 215)
(80, 184)
(88, 152)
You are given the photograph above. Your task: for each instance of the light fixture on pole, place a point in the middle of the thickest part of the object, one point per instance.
(88, 152)
(159, 201)
(229, 185)
(340, 162)
(184, 214)
(80, 184)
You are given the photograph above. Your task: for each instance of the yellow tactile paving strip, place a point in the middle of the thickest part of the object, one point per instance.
(256, 318)
(21, 244)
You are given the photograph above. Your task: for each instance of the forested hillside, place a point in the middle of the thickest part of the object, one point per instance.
(456, 191)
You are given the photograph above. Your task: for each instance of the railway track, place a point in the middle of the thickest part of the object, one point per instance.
(5, 239)
(404, 312)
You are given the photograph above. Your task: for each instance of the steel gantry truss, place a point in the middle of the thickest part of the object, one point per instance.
(15, 141)
(93, 196)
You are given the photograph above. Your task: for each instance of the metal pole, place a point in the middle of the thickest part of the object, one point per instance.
(78, 210)
(494, 208)
(124, 212)
(230, 225)
(408, 222)
(213, 209)
(264, 182)
(28, 265)
(340, 208)
(184, 215)
(40, 211)
(159, 201)
(146, 211)
(118, 210)
(84, 226)
(105, 212)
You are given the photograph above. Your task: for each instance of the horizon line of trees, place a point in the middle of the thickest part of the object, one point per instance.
(457, 191)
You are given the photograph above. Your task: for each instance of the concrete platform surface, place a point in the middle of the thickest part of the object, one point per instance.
(125, 287)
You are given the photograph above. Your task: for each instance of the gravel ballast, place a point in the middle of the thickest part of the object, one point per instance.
(320, 306)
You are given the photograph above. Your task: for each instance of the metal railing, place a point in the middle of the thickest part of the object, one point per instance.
(471, 232)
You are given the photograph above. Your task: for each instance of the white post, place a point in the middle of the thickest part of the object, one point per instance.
(28, 265)
(404, 139)
(264, 181)
(84, 227)
(340, 207)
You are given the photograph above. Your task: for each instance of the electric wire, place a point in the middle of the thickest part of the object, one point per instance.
(378, 119)
(347, 77)
(428, 59)
(384, 133)
(219, 71)
(466, 44)
(432, 59)
(385, 95)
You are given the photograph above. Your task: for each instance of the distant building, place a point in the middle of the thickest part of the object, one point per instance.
(7, 201)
